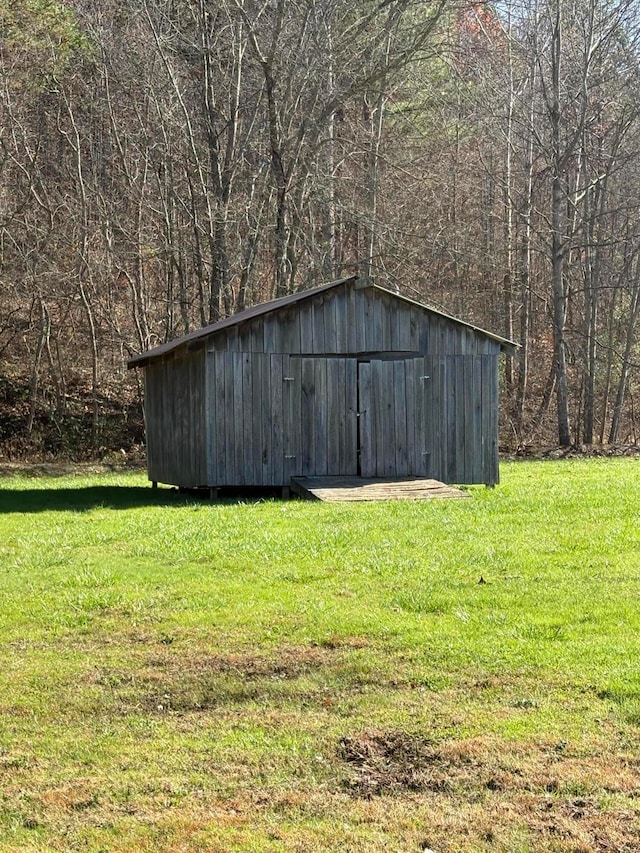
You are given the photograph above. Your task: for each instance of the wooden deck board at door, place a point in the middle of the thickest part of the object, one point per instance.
(335, 489)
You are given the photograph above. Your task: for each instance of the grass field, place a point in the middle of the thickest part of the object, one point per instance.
(178, 676)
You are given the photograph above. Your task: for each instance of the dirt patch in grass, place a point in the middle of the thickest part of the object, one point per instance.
(284, 663)
(559, 799)
(392, 762)
(172, 683)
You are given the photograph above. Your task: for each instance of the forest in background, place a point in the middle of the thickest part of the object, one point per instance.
(165, 163)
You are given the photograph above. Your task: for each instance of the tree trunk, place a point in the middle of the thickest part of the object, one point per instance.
(558, 203)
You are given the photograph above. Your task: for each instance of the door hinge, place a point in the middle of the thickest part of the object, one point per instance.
(288, 378)
(425, 377)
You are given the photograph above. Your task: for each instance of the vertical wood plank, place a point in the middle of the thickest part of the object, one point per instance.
(330, 324)
(451, 398)
(338, 427)
(151, 406)
(246, 428)
(263, 429)
(320, 405)
(476, 471)
(269, 333)
(468, 402)
(218, 343)
(244, 337)
(387, 442)
(414, 324)
(221, 408)
(360, 330)
(292, 415)
(226, 365)
(341, 320)
(290, 331)
(197, 399)
(352, 321)
(308, 416)
(495, 409)
(279, 331)
(401, 329)
(318, 324)
(168, 418)
(277, 448)
(461, 411)
(399, 389)
(389, 311)
(424, 332)
(237, 436)
(375, 338)
(486, 422)
(380, 426)
(350, 462)
(306, 327)
(170, 409)
(490, 412)
(380, 421)
(255, 436)
(439, 414)
(232, 339)
(423, 433)
(335, 413)
(395, 310)
(257, 334)
(366, 421)
(411, 397)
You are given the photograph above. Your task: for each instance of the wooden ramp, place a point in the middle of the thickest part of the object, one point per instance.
(372, 489)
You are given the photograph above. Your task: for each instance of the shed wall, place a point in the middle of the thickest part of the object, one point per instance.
(277, 416)
(350, 320)
(175, 420)
(349, 381)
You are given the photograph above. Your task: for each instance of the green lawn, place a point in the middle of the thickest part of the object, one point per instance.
(178, 676)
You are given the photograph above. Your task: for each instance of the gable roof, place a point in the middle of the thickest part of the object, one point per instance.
(292, 299)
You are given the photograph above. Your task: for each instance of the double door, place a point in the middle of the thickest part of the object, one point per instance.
(361, 417)
(275, 416)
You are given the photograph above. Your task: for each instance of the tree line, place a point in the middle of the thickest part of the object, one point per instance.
(165, 163)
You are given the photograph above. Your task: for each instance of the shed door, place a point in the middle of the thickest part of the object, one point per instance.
(276, 416)
(393, 418)
(327, 414)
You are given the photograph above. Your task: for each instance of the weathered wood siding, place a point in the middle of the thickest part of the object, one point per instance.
(348, 320)
(348, 381)
(276, 416)
(175, 420)
(394, 418)
(433, 417)
(462, 418)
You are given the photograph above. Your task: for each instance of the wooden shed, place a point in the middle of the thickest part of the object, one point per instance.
(347, 379)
